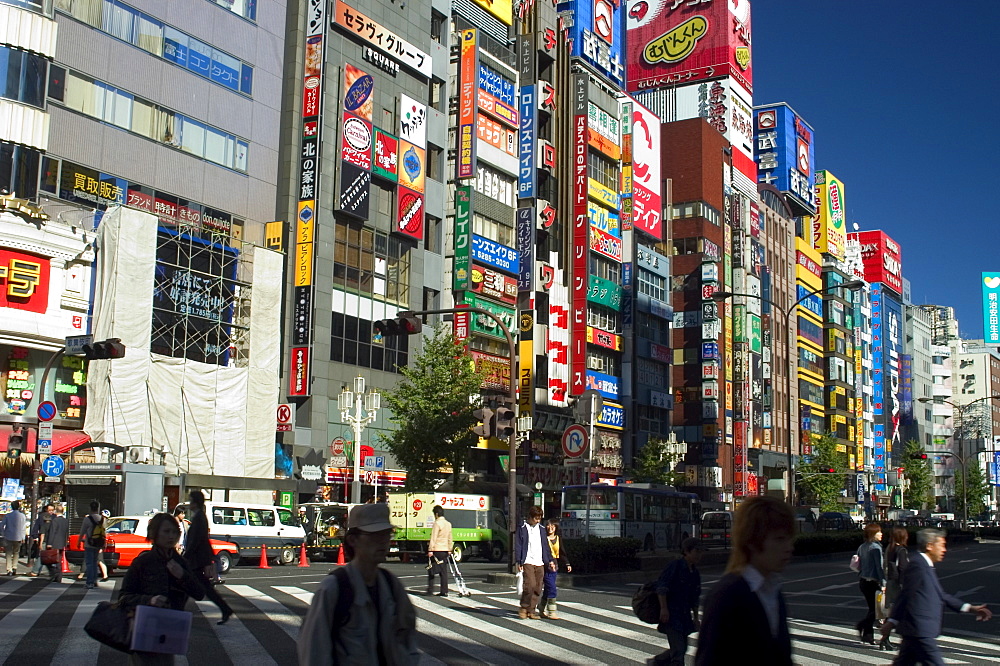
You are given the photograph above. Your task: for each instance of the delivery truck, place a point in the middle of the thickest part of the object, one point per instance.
(476, 527)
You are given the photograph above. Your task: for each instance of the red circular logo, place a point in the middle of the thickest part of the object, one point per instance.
(482, 502)
(337, 447)
(418, 504)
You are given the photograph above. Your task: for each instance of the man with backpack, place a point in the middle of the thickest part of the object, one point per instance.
(93, 538)
(679, 591)
(361, 614)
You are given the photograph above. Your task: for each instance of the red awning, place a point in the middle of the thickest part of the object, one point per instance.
(62, 440)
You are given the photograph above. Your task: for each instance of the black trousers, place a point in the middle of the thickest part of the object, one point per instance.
(439, 562)
(212, 594)
(868, 589)
(915, 650)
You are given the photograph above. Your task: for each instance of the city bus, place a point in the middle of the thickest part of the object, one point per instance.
(658, 516)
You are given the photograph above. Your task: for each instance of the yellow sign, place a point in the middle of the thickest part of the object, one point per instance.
(502, 9)
(274, 236)
(525, 380)
(303, 264)
(306, 222)
(830, 226)
(605, 195)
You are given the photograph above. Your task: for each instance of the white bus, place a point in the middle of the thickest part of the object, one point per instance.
(658, 516)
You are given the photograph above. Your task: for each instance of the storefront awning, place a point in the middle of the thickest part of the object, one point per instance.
(62, 440)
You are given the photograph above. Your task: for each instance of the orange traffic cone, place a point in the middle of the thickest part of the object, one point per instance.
(65, 564)
(303, 562)
(263, 558)
(340, 555)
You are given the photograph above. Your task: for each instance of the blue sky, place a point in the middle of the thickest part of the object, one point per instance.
(899, 94)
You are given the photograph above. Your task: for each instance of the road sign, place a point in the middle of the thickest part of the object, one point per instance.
(574, 440)
(286, 414)
(337, 446)
(44, 447)
(47, 411)
(374, 463)
(53, 466)
(75, 343)
(44, 431)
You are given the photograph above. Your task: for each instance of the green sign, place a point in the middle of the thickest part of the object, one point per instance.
(605, 292)
(386, 147)
(286, 498)
(462, 267)
(485, 325)
(755, 343)
(739, 323)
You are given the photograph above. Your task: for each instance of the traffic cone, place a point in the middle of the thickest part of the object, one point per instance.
(303, 562)
(65, 564)
(340, 555)
(263, 558)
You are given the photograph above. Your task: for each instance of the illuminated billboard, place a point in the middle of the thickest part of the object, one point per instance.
(785, 154)
(596, 35)
(829, 224)
(881, 257)
(675, 42)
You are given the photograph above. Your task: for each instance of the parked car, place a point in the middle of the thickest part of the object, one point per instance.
(251, 526)
(833, 521)
(126, 538)
(716, 528)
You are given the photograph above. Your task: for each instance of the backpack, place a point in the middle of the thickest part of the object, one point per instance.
(646, 603)
(345, 595)
(97, 537)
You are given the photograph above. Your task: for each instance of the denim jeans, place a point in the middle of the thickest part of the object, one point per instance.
(90, 564)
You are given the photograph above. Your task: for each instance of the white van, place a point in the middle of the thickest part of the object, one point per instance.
(251, 526)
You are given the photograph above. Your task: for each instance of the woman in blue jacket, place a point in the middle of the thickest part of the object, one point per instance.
(872, 578)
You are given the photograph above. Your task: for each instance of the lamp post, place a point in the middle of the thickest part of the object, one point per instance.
(960, 456)
(792, 362)
(365, 406)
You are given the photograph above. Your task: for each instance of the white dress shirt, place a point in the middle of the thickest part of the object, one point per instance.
(768, 591)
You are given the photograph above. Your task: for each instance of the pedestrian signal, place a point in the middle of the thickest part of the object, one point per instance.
(15, 442)
(105, 349)
(402, 325)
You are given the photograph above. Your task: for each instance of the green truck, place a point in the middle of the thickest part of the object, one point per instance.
(476, 528)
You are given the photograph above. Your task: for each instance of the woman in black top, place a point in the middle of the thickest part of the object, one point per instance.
(159, 577)
(897, 559)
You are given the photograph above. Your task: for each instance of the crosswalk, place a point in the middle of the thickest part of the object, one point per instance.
(43, 623)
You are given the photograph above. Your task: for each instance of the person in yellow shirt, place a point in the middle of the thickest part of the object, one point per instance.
(547, 603)
(438, 549)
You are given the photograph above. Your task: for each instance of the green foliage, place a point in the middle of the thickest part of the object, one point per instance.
(819, 488)
(828, 542)
(978, 488)
(432, 408)
(602, 555)
(919, 478)
(654, 464)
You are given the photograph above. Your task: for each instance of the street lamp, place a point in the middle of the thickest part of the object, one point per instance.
(792, 362)
(366, 406)
(960, 456)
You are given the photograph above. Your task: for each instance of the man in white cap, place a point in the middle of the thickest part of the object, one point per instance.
(361, 614)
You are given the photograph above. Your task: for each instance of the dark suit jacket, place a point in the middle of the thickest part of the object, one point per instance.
(920, 609)
(58, 536)
(197, 549)
(734, 628)
(521, 545)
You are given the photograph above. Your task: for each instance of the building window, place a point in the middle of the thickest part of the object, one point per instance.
(123, 22)
(599, 361)
(493, 229)
(650, 418)
(605, 268)
(652, 285)
(19, 170)
(603, 170)
(697, 209)
(352, 343)
(432, 234)
(603, 318)
(22, 76)
(245, 8)
(435, 162)
(372, 263)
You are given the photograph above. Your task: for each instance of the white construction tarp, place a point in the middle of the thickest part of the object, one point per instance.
(200, 418)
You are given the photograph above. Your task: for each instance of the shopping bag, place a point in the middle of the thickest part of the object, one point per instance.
(520, 582)
(111, 624)
(880, 613)
(855, 563)
(161, 630)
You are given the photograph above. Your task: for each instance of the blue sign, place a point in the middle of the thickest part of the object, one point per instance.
(812, 303)
(606, 385)
(995, 471)
(496, 84)
(374, 463)
(46, 411)
(991, 308)
(597, 35)
(709, 351)
(784, 152)
(612, 416)
(493, 253)
(526, 144)
(53, 466)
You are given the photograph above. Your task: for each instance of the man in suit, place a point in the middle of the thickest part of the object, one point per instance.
(58, 538)
(918, 613)
(745, 617)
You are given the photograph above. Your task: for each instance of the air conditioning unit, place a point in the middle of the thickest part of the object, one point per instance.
(596, 364)
(139, 454)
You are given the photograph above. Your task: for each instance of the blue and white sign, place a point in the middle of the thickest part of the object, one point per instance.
(991, 308)
(526, 144)
(495, 254)
(606, 385)
(784, 153)
(374, 463)
(612, 416)
(53, 466)
(497, 85)
(597, 34)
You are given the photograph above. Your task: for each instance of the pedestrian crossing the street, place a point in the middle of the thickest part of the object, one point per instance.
(42, 623)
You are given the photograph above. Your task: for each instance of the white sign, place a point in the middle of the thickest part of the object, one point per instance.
(311, 473)
(374, 463)
(75, 343)
(285, 417)
(44, 431)
(338, 461)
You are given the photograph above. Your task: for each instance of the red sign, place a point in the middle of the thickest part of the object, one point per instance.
(461, 324)
(581, 238)
(24, 281)
(488, 282)
(881, 257)
(298, 380)
(495, 370)
(337, 446)
(496, 134)
(356, 146)
(410, 213)
(418, 505)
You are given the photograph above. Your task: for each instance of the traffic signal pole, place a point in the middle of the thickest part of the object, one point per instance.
(512, 440)
(35, 466)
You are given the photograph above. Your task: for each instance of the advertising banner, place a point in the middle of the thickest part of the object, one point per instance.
(495, 254)
(491, 283)
(386, 162)
(604, 131)
(785, 154)
(991, 311)
(410, 213)
(878, 351)
(484, 325)
(604, 292)
(881, 257)
(581, 236)
(525, 231)
(495, 369)
(370, 32)
(830, 224)
(646, 200)
(606, 385)
(526, 144)
(355, 190)
(497, 135)
(412, 166)
(24, 281)
(412, 121)
(356, 141)
(501, 9)
(596, 35)
(604, 243)
(467, 102)
(728, 107)
(358, 92)
(462, 266)
(675, 42)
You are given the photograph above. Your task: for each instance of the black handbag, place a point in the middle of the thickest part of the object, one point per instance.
(111, 624)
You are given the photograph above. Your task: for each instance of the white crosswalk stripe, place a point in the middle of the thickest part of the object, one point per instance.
(14, 626)
(77, 648)
(273, 609)
(478, 651)
(239, 642)
(297, 592)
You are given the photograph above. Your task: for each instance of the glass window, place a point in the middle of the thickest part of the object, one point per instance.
(19, 169)
(80, 95)
(260, 517)
(88, 11)
(118, 20)
(603, 499)
(225, 69)
(228, 516)
(244, 8)
(192, 136)
(22, 76)
(175, 46)
(285, 517)
(121, 526)
(144, 115)
(149, 34)
(219, 147)
(199, 58)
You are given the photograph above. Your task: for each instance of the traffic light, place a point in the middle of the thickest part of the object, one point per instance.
(485, 427)
(505, 423)
(15, 442)
(920, 455)
(829, 470)
(105, 349)
(404, 324)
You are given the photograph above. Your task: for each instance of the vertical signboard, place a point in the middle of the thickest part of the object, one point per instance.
(462, 266)
(881, 258)
(525, 248)
(581, 229)
(468, 86)
(596, 36)
(991, 311)
(528, 117)
(785, 154)
(308, 194)
(626, 183)
(647, 203)
(829, 225)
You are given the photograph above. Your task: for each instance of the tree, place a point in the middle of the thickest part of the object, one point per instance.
(816, 482)
(432, 409)
(919, 477)
(654, 463)
(978, 488)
